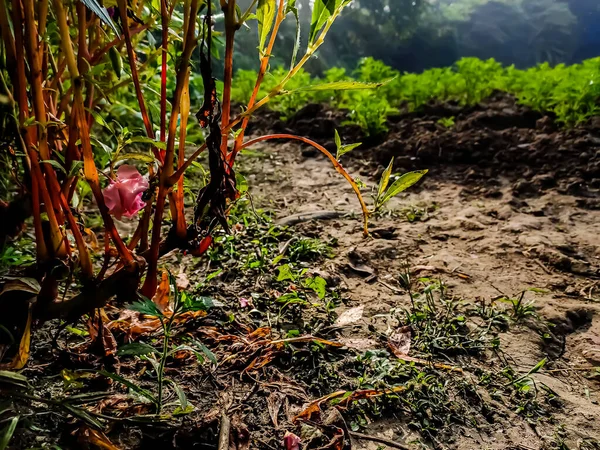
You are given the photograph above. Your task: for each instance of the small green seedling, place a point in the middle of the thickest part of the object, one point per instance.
(447, 122)
(181, 303)
(399, 184)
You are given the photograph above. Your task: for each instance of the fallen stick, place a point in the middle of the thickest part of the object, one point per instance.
(311, 215)
(224, 433)
(380, 440)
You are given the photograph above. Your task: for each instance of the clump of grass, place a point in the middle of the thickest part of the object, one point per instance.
(427, 397)
(309, 249)
(17, 254)
(440, 324)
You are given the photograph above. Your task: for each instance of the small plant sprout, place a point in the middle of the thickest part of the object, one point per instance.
(179, 304)
(386, 191)
(447, 122)
(342, 149)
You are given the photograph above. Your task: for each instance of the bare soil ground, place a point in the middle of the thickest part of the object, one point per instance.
(483, 249)
(468, 319)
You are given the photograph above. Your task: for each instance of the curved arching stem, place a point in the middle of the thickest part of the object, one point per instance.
(334, 161)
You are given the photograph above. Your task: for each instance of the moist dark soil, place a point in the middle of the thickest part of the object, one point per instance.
(497, 138)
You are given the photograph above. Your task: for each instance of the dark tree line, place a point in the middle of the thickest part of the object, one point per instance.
(413, 35)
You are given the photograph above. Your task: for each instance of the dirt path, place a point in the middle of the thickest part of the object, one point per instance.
(483, 249)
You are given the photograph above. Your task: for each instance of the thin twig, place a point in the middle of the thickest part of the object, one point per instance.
(378, 439)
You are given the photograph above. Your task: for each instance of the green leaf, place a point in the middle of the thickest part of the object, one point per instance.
(291, 8)
(241, 183)
(347, 148)
(198, 303)
(204, 349)
(56, 165)
(265, 13)
(145, 306)
(185, 407)
(83, 415)
(16, 379)
(76, 166)
(100, 120)
(385, 179)
(338, 141)
(146, 140)
(102, 13)
(285, 273)
(214, 274)
(7, 433)
(339, 86)
(116, 61)
(322, 10)
(134, 387)
(401, 184)
(136, 349)
(138, 156)
(536, 368)
(343, 149)
(317, 284)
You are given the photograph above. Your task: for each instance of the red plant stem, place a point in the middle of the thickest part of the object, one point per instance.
(100, 53)
(264, 64)
(41, 249)
(91, 173)
(334, 161)
(107, 258)
(85, 261)
(20, 83)
(82, 50)
(52, 202)
(184, 110)
(181, 170)
(200, 149)
(89, 166)
(35, 60)
(144, 224)
(183, 167)
(150, 283)
(42, 16)
(141, 233)
(181, 225)
(134, 72)
(230, 28)
(163, 71)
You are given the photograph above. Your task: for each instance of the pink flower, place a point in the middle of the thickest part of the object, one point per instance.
(244, 302)
(123, 197)
(291, 441)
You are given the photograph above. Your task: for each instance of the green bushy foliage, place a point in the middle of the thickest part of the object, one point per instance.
(369, 112)
(571, 93)
(289, 104)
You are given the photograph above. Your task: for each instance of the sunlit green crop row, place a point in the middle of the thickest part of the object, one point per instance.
(570, 93)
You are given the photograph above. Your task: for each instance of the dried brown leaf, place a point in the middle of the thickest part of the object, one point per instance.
(94, 440)
(182, 281)
(161, 298)
(20, 359)
(274, 402)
